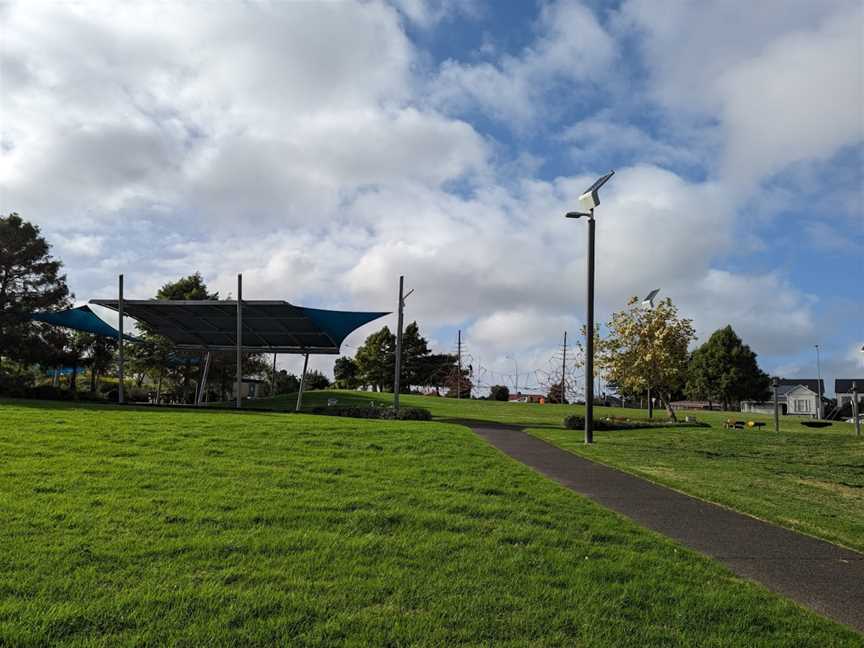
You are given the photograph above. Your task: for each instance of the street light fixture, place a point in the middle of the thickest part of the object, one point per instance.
(588, 201)
(516, 370)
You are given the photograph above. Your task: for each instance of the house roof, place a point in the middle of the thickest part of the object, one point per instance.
(268, 326)
(844, 385)
(814, 385)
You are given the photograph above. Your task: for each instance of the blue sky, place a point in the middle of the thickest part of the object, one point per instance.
(323, 149)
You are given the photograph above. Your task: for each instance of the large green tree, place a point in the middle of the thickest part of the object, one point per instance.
(30, 280)
(375, 360)
(191, 288)
(724, 369)
(346, 373)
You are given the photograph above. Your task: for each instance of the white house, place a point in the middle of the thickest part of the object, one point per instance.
(796, 397)
(843, 390)
(248, 388)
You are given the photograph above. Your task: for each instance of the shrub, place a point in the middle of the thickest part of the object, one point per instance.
(499, 393)
(577, 422)
(404, 414)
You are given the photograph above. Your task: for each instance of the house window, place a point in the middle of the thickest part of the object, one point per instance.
(802, 405)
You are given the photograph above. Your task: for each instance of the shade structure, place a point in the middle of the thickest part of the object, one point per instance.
(268, 326)
(81, 318)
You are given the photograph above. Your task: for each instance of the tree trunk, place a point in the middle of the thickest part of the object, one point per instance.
(92, 379)
(159, 385)
(667, 402)
(73, 379)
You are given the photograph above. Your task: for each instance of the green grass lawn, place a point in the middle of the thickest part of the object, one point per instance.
(812, 482)
(146, 527)
(804, 479)
(523, 413)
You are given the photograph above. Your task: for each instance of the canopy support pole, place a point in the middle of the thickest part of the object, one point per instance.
(239, 340)
(202, 387)
(120, 339)
(302, 383)
(273, 379)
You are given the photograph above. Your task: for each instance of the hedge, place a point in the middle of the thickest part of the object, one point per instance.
(389, 413)
(577, 422)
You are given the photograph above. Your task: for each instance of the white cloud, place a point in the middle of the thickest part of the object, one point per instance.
(290, 142)
(785, 84)
(571, 47)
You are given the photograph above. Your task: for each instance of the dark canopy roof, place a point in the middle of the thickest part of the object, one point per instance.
(844, 385)
(273, 326)
(814, 385)
(79, 319)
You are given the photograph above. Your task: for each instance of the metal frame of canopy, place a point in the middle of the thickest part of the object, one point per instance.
(239, 326)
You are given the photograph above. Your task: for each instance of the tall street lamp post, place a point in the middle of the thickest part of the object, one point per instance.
(775, 383)
(588, 201)
(818, 383)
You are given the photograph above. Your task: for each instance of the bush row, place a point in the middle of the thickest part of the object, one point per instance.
(404, 413)
(576, 422)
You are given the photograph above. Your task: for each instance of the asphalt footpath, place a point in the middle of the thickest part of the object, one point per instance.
(817, 574)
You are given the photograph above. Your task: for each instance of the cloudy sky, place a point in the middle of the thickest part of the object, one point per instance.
(322, 149)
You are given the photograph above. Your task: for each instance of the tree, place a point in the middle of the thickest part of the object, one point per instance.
(415, 351)
(458, 383)
(346, 373)
(286, 383)
(316, 380)
(30, 281)
(555, 394)
(376, 360)
(724, 369)
(435, 369)
(191, 288)
(101, 359)
(647, 347)
(499, 393)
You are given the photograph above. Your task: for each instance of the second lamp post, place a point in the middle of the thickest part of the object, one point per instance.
(588, 201)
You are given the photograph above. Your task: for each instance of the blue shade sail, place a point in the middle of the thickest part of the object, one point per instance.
(268, 326)
(81, 318)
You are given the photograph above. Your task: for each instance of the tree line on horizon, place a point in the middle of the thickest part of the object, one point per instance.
(644, 347)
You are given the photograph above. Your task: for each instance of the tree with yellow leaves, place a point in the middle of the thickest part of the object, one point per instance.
(647, 348)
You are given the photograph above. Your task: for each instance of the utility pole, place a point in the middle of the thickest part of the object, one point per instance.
(818, 384)
(775, 383)
(564, 371)
(459, 365)
(398, 371)
(397, 378)
(120, 339)
(855, 411)
(239, 341)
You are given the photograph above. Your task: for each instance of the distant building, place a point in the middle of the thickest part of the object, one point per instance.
(843, 390)
(248, 389)
(795, 396)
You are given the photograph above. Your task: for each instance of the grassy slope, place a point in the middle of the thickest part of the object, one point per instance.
(124, 527)
(523, 413)
(811, 481)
